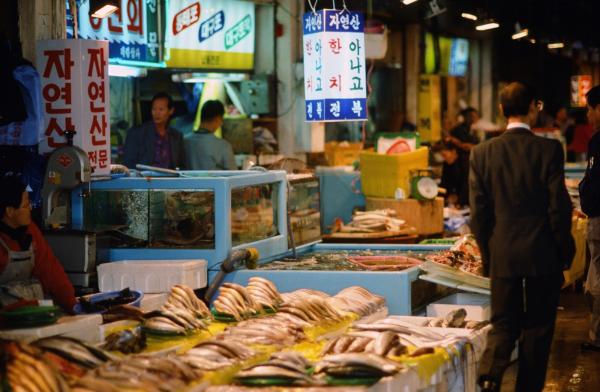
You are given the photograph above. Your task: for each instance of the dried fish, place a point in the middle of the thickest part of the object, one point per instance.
(364, 364)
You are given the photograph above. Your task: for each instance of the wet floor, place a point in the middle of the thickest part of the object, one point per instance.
(569, 370)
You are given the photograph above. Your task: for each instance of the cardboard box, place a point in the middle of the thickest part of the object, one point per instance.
(427, 217)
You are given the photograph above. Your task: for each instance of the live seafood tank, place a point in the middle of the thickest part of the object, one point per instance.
(304, 208)
(199, 215)
(332, 267)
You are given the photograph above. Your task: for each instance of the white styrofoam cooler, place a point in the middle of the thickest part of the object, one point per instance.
(478, 306)
(151, 276)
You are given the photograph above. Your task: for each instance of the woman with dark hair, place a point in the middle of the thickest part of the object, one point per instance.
(28, 268)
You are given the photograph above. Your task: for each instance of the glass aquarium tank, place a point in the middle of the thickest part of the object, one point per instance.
(254, 211)
(152, 218)
(304, 208)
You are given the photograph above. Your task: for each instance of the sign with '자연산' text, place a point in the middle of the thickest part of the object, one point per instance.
(335, 84)
(75, 95)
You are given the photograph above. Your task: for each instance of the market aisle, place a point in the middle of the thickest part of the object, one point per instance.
(569, 368)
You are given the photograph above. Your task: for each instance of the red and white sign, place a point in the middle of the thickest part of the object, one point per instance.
(580, 85)
(186, 17)
(75, 91)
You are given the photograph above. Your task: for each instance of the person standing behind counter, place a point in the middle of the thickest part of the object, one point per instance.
(28, 268)
(203, 149)
(154, 142)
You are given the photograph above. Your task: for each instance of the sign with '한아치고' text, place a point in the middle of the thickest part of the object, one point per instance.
(210, 34)
(335, 84)
(75, 96)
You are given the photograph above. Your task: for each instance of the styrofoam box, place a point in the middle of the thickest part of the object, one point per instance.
(151, 276)
(477, 306)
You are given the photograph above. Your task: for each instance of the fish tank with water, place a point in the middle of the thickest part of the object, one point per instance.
(160, 218)
(196, 215)
(304, 208)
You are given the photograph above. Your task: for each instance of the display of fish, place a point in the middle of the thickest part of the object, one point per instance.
(182, 296)
(173, 320)
(380, 343)
(357, 365)
(357, 300)
(289, 368)
(75, 351)
(128, 341)
(312, 310)
(456, 319)
(27, 370)
(182, 313)
(235, 300)
(370, 222)
(139, 372)
(215, 354)
(264, 292)
(272, 330)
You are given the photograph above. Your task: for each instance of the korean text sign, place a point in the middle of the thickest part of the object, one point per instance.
(133, 30)
(335, 83)
(210, 34)
(75, 93)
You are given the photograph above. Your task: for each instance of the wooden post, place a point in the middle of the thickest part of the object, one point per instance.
(40, 19)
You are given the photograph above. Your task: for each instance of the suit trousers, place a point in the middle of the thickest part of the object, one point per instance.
(523, 309)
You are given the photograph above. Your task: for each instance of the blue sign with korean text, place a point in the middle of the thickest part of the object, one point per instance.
(211, 26)
(334, 66)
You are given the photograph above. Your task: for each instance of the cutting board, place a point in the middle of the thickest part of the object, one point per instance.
(378, 234)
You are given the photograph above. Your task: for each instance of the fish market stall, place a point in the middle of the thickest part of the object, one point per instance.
(330, 268)
(255, 336)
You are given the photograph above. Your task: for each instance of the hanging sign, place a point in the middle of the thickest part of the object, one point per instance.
(75, 96)
(133, 30)
(335, 83)
(210, 34)
(580, 85)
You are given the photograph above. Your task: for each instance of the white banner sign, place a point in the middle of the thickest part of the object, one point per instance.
(211, 34)
(75, 92)
(335, 83)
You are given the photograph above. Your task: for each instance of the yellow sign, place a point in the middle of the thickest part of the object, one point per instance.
(429, 122)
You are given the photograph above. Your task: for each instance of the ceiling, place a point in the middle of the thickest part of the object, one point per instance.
(568, 20)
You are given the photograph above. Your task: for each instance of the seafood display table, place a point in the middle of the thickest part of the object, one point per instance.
(395, 286)
(84, 327)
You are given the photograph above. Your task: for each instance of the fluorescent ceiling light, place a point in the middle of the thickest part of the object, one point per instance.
(556, 45)
(197, 77)
(487, 25)
(468, 15)
(124, 71)
(407, 2)
(521, 34)
(105, 11)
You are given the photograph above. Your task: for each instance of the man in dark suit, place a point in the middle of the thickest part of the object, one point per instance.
(521, 218)
(154, 142)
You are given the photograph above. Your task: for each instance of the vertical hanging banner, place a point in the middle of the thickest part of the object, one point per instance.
(335, 84)
(75, 94)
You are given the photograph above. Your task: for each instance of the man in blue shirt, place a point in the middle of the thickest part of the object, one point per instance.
(154, 142)
(204, 150)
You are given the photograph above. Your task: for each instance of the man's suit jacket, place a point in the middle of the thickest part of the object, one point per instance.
(140, 146)
(520, 208)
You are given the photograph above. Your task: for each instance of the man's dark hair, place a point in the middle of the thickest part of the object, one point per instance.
(12, 192)
(211, 110)
(516, 99)
(163, 95)
(593, 96)
(465, 112)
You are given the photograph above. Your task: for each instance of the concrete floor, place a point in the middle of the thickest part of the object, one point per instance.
(569, 369)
